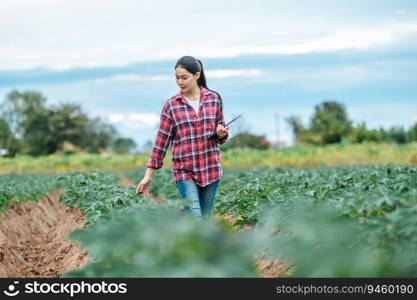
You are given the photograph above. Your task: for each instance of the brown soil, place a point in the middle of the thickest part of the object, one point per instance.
(33, 239)
(267, 267)
(273, 268)
(126, 182)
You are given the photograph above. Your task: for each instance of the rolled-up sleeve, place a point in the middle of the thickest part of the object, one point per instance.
(163, 139)
(220, 120)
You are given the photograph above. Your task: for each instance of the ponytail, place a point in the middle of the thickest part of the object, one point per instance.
(202, 82)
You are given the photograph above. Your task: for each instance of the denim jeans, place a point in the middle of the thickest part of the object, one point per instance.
(202, 198)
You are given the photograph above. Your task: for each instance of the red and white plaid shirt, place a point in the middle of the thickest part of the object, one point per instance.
(195, 144)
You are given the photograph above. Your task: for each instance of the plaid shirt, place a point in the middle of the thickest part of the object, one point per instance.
(195, 144)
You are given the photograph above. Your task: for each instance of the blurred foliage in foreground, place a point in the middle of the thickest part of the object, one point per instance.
(351, 221)
(331, 222)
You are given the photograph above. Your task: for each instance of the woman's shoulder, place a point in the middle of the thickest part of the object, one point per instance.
(173, 98)
(214, 95)
(170, 102)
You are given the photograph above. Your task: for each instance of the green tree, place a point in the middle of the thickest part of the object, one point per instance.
(248, 140)
(5, 134)
(124, 145)
(40, 130)
(362, 134)
(8, 141)
(27, 116)
(297, 127)
(98, 136)
(68, 124)
(412, 133)
(330, 122)
(37, 136)
(398, 135)
(18, 107)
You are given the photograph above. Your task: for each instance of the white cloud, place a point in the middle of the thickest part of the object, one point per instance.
(216, 73)
(72, 33)
(223, 73)
(135, 120)
(115, 118)
(131, 77)
(146, 118)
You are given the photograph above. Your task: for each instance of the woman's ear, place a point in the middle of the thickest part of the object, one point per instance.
(197, 75)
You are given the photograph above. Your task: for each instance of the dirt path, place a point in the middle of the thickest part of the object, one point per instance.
(33, 239)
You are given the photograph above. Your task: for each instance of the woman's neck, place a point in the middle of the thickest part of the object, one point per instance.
(193, 94)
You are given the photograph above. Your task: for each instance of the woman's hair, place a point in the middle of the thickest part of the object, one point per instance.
(194, 65)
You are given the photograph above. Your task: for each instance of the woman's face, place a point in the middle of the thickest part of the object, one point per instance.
(186, 80)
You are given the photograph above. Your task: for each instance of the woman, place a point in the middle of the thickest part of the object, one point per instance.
(193, 121)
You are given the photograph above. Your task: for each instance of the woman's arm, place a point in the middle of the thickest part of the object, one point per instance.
(219, 129)
(163, 139)
(143, 186)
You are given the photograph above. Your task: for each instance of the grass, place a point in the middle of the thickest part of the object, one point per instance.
(296, 156)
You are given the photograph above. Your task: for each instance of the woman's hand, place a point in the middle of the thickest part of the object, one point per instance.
(143, 186)
(222, 131)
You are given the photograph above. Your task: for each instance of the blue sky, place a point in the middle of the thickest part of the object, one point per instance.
(266, 58)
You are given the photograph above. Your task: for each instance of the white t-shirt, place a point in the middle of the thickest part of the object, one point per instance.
(194, 103)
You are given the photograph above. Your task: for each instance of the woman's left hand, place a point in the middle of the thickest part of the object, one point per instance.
(222, 131)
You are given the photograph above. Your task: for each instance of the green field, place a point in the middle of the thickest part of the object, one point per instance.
(298, 156)
(347, 221)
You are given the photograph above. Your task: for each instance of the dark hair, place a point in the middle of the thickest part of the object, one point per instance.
(194, 65)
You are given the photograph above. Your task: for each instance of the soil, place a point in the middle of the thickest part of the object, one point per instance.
(273, 268)
(126, 182)
(33, 239)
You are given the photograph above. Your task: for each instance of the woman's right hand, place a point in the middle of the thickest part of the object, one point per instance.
(143, 186)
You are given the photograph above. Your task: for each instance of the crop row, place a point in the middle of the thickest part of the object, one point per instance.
(18, 188)
(336, 222)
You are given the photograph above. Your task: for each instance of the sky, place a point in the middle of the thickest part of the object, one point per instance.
(268, 59)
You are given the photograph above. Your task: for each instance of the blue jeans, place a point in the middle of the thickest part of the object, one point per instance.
(202, 198)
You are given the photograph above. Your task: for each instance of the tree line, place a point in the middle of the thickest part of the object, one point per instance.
(28, 126)
(329, 124)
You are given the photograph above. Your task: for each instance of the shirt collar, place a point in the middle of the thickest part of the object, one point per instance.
(203, 91)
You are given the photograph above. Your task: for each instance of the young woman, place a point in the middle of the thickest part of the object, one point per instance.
(193, 121)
